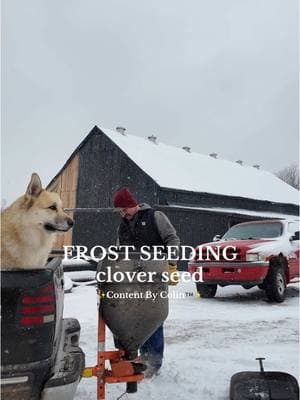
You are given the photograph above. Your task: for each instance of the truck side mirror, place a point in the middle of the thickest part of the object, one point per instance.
(296, 236)
(216, 238)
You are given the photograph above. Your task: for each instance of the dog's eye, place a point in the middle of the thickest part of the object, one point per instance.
(53, 208)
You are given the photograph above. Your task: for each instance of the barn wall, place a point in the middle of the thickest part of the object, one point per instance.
(104, 168)
(67, 188)
(193, 227)
(181, 197)
(95, 228)
(99, 168)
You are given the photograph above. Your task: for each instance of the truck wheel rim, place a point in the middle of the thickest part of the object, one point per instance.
(280, 283)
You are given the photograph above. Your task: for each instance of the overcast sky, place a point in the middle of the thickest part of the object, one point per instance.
(216, 75)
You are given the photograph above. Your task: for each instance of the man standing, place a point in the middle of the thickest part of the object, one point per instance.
(141, 225)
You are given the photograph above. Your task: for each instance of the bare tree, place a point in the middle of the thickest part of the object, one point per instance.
(290, 175)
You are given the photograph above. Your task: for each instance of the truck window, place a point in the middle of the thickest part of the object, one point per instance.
(254, 231)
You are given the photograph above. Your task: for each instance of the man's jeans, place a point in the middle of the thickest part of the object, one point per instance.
(153, 348)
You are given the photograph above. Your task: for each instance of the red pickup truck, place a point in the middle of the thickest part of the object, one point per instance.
(266, 254)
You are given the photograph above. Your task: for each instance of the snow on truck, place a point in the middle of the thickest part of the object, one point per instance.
(266, 255)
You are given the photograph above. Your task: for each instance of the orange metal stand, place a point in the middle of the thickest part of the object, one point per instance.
(121, 370)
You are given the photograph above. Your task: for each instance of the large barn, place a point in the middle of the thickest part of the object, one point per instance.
(202, 195)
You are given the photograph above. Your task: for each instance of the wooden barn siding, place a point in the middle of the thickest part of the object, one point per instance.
(67, 189)
(180, 197)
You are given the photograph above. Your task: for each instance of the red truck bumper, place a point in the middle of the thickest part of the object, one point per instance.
(226, 273)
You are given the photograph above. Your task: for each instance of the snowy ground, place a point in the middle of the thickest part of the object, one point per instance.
(207, 341)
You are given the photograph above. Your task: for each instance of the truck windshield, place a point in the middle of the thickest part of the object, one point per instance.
(254, 231)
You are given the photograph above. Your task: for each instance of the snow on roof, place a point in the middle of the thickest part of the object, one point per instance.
(173, 167)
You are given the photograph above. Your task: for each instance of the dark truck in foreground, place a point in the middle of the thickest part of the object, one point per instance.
(267, 255)
(40, 353)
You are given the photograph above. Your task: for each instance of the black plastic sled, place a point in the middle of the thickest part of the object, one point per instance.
(270, 385)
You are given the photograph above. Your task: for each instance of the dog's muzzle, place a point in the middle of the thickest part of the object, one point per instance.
(59, 227)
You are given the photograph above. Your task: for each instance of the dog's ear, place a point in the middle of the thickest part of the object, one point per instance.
(55, 186)
(35, 186)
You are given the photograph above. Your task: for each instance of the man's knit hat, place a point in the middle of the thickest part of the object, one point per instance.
(124, 199)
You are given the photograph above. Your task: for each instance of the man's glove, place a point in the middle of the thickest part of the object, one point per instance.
(173, 275)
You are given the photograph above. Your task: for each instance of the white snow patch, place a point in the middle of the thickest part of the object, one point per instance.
(207, 341)
(277, 246)
(81, 275)
(75, 263)
(68, 284)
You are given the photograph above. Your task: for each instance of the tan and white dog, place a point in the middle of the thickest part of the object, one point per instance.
(29, 227)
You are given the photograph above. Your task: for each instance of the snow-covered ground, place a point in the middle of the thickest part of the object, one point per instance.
(207, 341)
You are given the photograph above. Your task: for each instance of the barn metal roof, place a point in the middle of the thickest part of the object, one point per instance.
(173, 167)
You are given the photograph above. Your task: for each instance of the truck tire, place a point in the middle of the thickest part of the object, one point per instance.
(275, 284)
(206, 291)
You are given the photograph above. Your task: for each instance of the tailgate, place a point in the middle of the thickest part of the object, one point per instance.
(29, 313)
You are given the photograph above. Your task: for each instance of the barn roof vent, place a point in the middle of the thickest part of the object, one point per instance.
(152, 138)
(213, 155)
(121, 130)
(241, 162)
(187, 149)
(256, 166)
